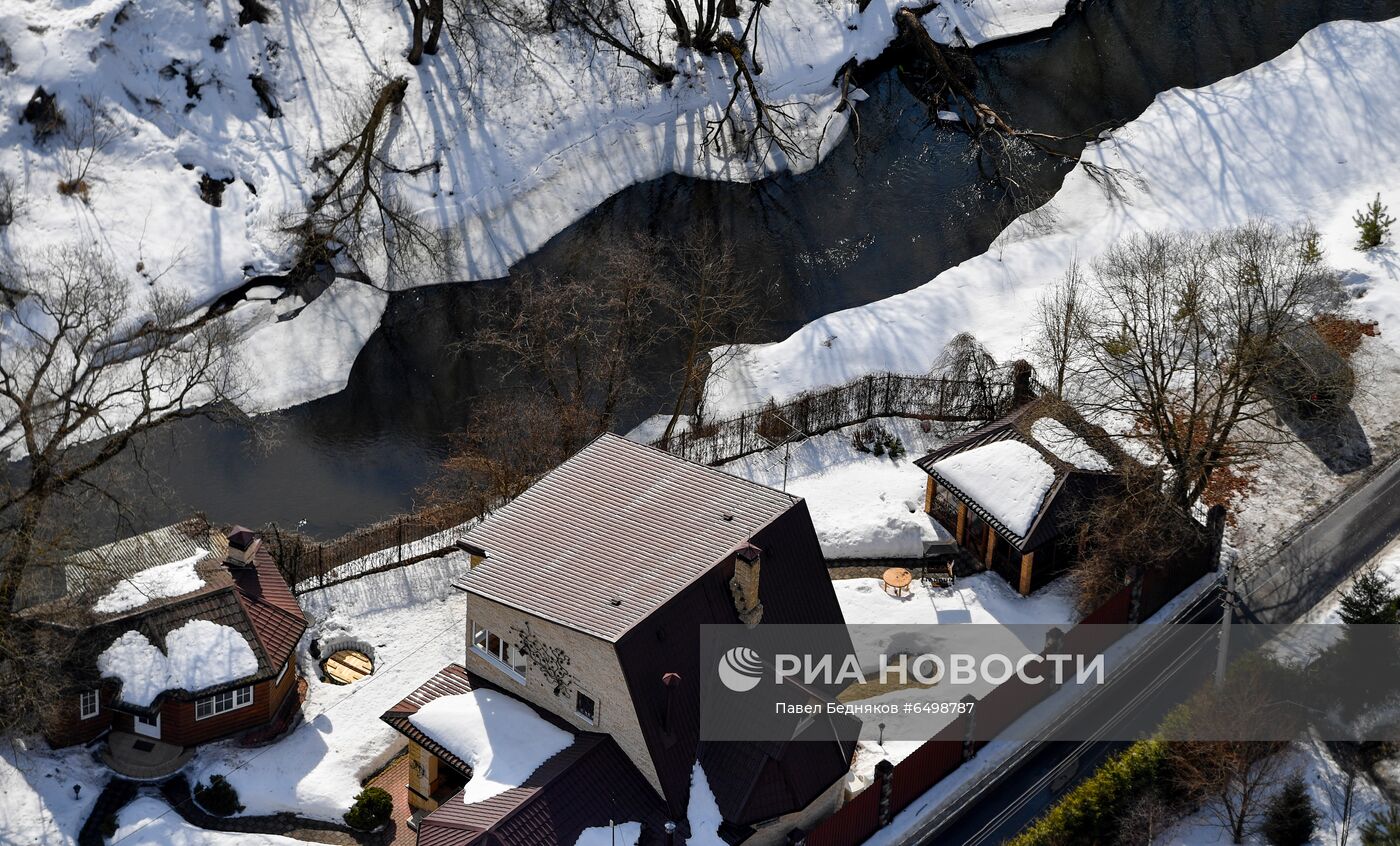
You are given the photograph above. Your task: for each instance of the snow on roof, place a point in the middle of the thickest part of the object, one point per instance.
(702, 811)
(202, 654)
(1067, 446)
(205, 654)
(158, 582)
(141, 667)
(622, 834)
(1008, 478)
(501, 738)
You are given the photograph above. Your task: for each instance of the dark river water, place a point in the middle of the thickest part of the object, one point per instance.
(885, 213)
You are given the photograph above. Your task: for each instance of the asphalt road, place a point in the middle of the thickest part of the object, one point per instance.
(1308, 565)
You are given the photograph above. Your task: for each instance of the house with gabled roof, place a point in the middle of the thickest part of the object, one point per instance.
(173, 638)
(584, 599)
(1011, 491)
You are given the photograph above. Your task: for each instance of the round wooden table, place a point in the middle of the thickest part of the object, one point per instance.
(898, 579)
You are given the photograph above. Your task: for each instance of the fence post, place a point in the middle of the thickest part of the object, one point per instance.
(1135, 576)
(398, 532)
(969, 748)
(884, 774)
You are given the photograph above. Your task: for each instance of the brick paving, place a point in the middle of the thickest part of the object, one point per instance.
(118, 793)
(176, 792)
(394, 780)
(115, 795)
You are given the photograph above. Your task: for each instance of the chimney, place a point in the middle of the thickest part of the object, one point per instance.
(475, 554)
(242, 546)
(671, 681)
(744, 585)
(1022, 389)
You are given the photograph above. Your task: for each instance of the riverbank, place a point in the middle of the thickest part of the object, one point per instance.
(1309, 137)
(521, 134)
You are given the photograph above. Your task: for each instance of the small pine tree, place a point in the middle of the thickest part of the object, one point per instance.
(1290, 819)
(1373, 224)
(373, 807)
(1382, 829)
(1369, 600)
(1311, 248)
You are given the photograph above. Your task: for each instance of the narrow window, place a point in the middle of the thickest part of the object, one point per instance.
(585, 707)
(88, 704)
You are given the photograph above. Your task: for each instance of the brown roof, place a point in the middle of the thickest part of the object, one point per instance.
(449, 681)
(255, 602)
(612, 533)
(81, 578)
(795, 589)
(585, 785)
(1072, 484)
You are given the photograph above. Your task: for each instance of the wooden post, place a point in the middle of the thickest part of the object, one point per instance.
(884, 774)
(991, 544)
(962, 522)
(929, 493)
(1027, 571)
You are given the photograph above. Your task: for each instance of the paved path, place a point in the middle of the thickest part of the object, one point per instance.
(176, 792)
(115, 795)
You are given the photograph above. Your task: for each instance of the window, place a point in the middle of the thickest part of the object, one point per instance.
(585, 707)
(88, 704)
(221, 703)
(283, 674)
(148, 720)
(505, 654)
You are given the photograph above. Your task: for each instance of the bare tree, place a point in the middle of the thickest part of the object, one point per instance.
(750, 124)
(1179, 334)
(1060, 318)
(579, 337)
(1007, 154)
(973, 376)
(84, 372)
(612, 24)
(424, 13)
(360, 213)
(1220, 755)
(512, 440)
(91, 132)
(1129, 527)
(714, 302)
(1146, 819)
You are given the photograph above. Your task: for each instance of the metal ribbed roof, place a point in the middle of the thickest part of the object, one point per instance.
(617, 522)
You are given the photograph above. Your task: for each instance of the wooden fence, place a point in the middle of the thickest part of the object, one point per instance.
(309, 564)
(877, 395)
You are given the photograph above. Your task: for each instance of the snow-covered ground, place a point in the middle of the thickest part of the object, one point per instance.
(149, 821)
(1042, 607)
(1312, 135)
(529, 133)
(1326, 783)
(416, 624)
(37, 803)
(862, 505)
(980, 598)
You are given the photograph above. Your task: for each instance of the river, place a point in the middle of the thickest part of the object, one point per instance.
(884, 213)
